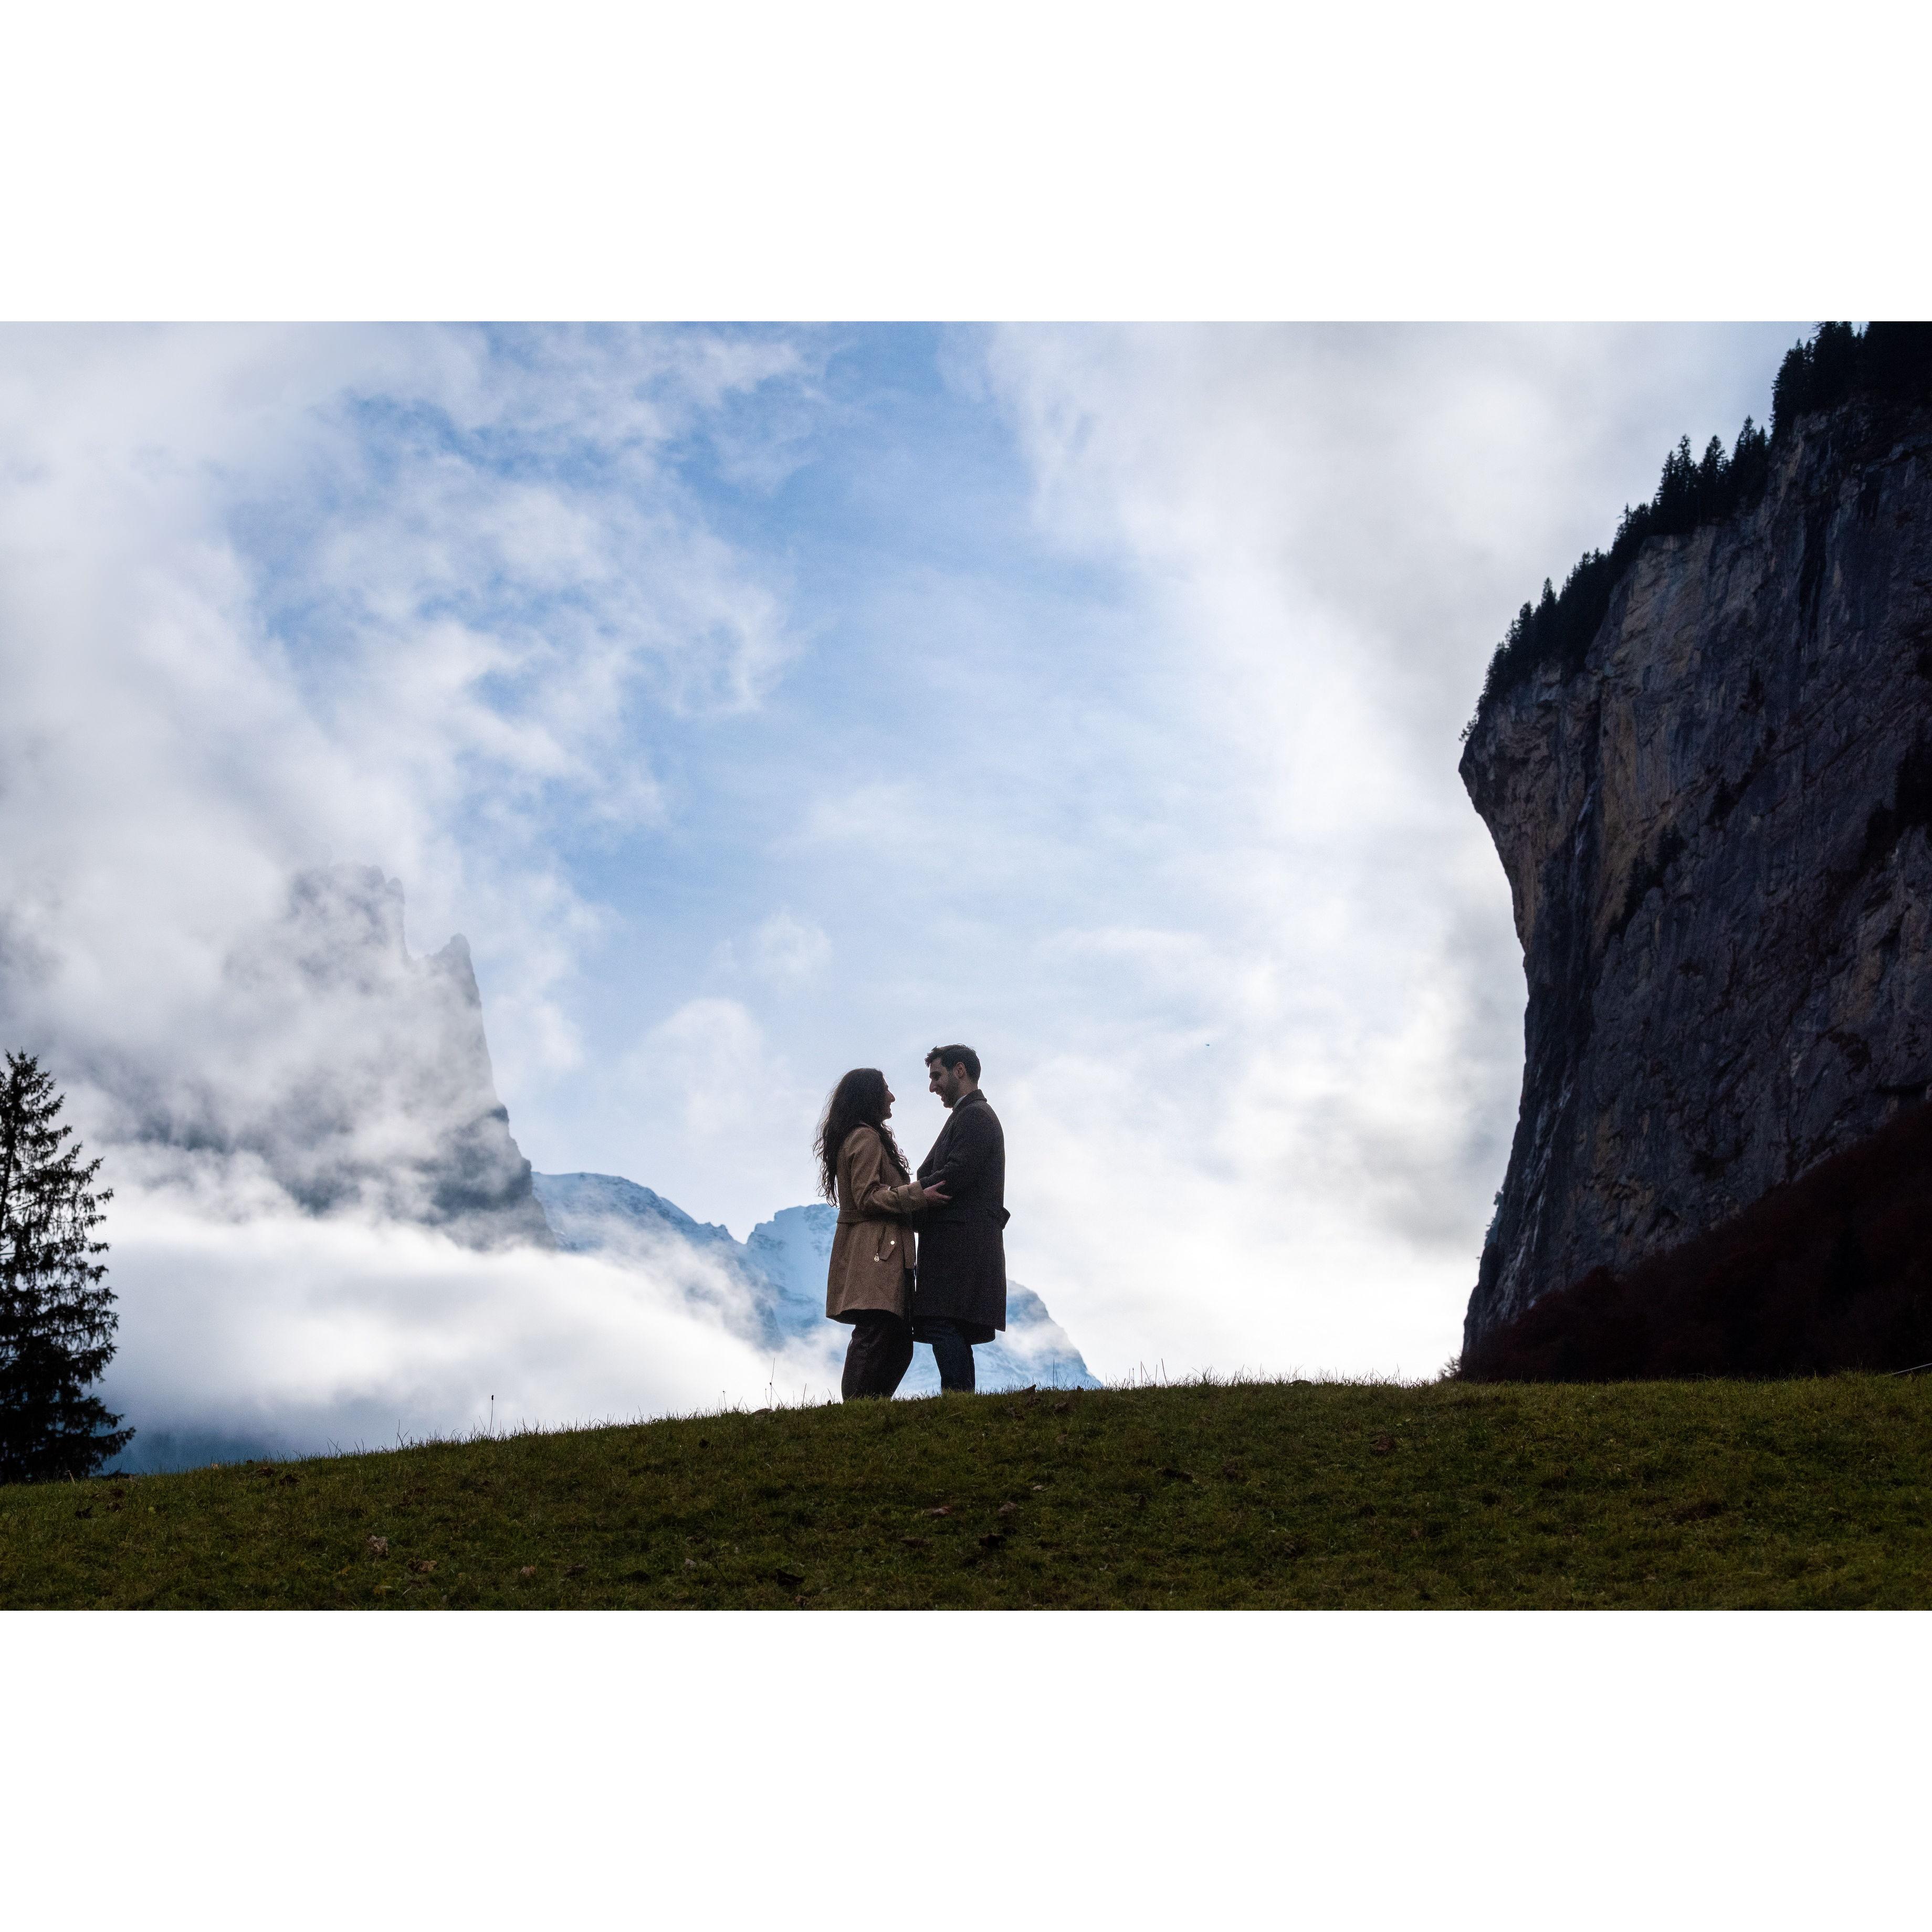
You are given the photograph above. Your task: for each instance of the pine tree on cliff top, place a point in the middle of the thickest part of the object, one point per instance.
(56, 1312)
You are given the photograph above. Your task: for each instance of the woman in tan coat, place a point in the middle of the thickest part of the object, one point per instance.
(870, 1282)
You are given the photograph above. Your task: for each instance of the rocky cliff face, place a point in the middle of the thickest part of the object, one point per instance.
(1715, 835)
(357, 1076)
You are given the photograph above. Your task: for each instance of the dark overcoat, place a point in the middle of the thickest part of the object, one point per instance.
(962, 1251)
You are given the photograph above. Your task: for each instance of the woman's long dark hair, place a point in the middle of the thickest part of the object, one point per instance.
(858, 1100)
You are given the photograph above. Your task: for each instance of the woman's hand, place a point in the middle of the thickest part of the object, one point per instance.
(937, 1195)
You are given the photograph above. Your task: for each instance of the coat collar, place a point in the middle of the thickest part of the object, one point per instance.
(967, 1100)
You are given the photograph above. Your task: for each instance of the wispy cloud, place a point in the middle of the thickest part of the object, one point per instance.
(398, 596)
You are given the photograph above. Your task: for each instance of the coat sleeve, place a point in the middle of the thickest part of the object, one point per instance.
(874, 1193)
(968, 1146)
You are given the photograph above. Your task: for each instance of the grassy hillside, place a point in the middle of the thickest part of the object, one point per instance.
(1797, 1494)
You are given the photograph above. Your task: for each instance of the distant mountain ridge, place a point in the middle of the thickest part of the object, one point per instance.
(781, 1267)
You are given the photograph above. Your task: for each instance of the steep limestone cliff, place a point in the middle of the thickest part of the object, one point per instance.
(357, 1076)
(1715, 834)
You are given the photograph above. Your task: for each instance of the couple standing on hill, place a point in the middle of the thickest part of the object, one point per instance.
(950, 1289)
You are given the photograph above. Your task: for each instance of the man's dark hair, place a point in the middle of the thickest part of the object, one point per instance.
(858, 1100)
(956, 1056)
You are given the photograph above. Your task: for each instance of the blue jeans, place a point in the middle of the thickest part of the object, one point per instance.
(952, 1352)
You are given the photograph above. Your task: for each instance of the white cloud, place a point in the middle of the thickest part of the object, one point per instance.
(391, 595)
(707, 1061)
(787, 948)
(245, 1325)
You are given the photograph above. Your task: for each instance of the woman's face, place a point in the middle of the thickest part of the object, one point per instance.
(886, 1113)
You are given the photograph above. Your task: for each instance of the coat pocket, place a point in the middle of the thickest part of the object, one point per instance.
(889, 1247)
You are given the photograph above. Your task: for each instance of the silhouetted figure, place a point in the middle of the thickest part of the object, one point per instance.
(869, 1281)
(961, 1297)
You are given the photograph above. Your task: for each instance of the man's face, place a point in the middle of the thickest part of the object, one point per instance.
(948, 1082)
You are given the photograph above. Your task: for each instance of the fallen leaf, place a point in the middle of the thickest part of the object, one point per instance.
(691, 1563)
(575, 1569)
(1382, 1444)
(528, 1569)
(1006, 1509)
(944, 1509)
(422, 1565)
(379, 1545)
(1039, 1486)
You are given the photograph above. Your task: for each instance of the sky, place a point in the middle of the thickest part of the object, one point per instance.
(760, 702)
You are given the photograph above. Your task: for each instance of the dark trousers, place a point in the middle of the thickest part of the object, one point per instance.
(877, 1356)
(952, 1352)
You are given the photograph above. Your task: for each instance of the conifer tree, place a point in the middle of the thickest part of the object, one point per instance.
(1889, 360)
(57, 1318)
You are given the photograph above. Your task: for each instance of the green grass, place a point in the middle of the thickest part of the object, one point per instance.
(1793, 1494)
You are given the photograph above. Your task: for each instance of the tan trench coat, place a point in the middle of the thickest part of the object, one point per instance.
(873, 1251)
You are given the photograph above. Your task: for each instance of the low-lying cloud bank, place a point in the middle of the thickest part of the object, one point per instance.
(248, 1327)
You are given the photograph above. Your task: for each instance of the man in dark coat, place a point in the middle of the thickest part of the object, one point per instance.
(959, 1295)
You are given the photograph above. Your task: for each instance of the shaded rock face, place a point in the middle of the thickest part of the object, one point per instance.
(358, 1076)
(1716, 839)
